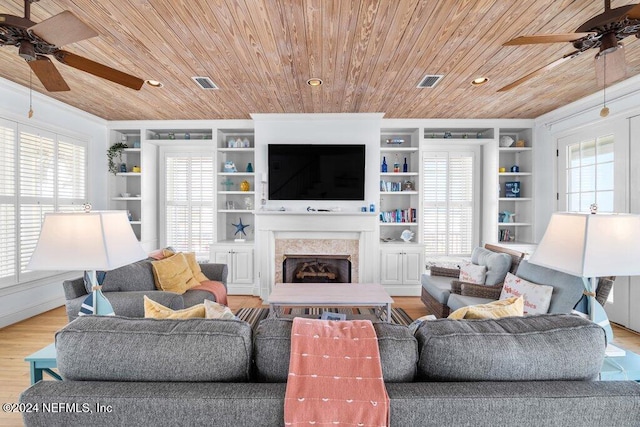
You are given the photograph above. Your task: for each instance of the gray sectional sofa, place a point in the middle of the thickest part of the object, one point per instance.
(125, 288)
(536, 370)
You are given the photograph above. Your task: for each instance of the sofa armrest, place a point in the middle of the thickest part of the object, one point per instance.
(217, 272)
(480, 291)
(74, 288)
(443, 271)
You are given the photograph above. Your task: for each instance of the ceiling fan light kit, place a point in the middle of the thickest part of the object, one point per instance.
(37, 40)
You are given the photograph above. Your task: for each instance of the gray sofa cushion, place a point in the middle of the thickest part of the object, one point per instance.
(137, 276)
(272, 345)
(498, 264)
(530, 348)
(438, 287)
(108, 348)
(567, 289)
(196, 296)
(129, 304)
(458, 301)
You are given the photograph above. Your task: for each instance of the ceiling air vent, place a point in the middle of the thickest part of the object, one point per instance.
(430, 80)
(205, 82)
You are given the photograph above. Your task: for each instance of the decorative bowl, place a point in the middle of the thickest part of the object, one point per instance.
(506, 141)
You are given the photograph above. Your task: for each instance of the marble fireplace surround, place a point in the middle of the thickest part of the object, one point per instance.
(344, 233)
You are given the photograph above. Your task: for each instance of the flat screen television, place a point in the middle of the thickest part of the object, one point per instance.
(316, 171)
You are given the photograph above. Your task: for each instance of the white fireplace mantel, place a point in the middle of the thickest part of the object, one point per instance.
(272, 225)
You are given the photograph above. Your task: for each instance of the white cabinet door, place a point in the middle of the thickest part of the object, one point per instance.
(239, 261)
(391, 268)
(242, 266)
(413, 262)
(221, 255)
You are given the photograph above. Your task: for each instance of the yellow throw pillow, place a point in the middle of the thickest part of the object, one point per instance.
(195, 267)
(156, 310)
(502, 308)
(173, 274)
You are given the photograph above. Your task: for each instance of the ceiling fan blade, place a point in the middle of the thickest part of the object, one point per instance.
(62, 29)
(546, 38)
(48, 74)
(540, 71)
(98, 69)
(634, 13)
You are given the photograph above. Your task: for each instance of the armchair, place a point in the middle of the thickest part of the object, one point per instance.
(442, 282)
(567, 293)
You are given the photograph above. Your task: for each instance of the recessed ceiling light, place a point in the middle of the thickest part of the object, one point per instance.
(479, 81)
(314, 81)
(154, 83)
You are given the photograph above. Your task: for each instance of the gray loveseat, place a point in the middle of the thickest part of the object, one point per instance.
(536, 370)
(125, 288)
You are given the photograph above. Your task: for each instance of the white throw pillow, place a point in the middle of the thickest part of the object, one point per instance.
(213, 310)
(472, 273)
(537, 298)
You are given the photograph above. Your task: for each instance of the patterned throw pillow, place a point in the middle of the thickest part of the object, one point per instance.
(472, 273)
(156, 310)
(537, 298)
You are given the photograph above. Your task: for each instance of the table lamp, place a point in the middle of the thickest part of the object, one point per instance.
(591, 246)
(90, 241)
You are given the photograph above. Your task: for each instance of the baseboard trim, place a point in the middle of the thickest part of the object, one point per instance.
(28, 312)
(403, 290)
(235, 289)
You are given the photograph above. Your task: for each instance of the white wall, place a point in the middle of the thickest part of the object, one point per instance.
(26, 300)
(321, 129)
(623, 100)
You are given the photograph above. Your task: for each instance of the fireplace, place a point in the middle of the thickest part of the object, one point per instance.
(301, 268)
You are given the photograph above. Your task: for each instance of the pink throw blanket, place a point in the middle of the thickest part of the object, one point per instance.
(335, 376)
(216, 288)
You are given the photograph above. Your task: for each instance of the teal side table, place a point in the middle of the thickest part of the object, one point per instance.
(621, 368)
(42, 361)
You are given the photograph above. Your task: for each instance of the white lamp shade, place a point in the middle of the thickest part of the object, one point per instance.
(85, 241)
(591, 245)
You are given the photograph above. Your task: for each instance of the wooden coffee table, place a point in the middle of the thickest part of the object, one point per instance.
(331, 295)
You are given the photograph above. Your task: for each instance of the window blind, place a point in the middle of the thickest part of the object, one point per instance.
(189, 213)
(8, 217)
(40, 172)
(448, 203)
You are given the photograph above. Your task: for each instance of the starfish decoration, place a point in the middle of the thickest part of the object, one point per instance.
(227, 184)
(240, 227)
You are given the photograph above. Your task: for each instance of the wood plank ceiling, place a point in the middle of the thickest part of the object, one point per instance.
(370, 54)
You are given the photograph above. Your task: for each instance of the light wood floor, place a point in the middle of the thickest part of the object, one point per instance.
(24, 338)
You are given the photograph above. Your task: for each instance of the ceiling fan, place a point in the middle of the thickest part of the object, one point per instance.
(604, 31)
(35, 41)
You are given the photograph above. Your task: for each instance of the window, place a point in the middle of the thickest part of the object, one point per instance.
(40, 172)
(449, 217)
(189, 209)
(590, 174)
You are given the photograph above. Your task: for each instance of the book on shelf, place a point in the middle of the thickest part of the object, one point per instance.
(399, 216)
(506, 235)
(390, 186)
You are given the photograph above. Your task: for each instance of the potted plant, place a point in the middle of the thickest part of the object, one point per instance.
(115, 151)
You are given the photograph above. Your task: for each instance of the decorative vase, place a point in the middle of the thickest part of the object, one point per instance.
(249, 167)
(244, 185)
